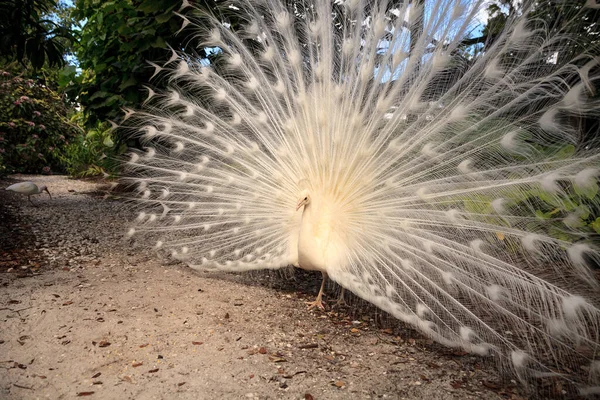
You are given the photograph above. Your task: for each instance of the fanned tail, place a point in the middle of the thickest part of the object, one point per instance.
(455, 183)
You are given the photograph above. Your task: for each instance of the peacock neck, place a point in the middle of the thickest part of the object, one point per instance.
(305, 222)
(310, 253)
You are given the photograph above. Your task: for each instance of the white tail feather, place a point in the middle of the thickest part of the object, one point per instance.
(421, 169)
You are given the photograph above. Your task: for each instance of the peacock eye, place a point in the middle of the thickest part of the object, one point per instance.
(306, 198)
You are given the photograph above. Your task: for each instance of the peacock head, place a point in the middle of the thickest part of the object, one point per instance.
(304, 199)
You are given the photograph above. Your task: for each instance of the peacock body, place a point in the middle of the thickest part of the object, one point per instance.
(363, 140)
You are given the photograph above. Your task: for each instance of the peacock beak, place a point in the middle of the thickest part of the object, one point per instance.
(47, 191)
(301, 203)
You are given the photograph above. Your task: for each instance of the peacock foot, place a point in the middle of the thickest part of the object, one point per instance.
(341, 301)
(317, 303)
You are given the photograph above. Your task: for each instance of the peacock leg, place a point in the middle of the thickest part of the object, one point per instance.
(29, 198)
(341, 301)
(318, 302)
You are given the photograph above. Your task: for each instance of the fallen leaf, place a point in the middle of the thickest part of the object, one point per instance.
(308, 396)
(153, 370)
(197, 343)
(181, 383)
(277, 359)
(103, 343)
(262, 350)
(80, 394)
(68, 303)
(340, 384)
(135, 365)
(490, 385)
(96, 375)
(308, 346)
(143, 345)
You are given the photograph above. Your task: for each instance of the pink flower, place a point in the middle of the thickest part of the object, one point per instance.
(11, 124)
(4, 73)
(61, 137)
(42, 127)
(40, 155)
(50, 148)
(24, 98)
(30, 123)
(17, 103)
(34, 136)
(37, 113)
(2, 150)
(46, 169)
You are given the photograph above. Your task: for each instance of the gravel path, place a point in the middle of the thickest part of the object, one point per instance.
(84, 313)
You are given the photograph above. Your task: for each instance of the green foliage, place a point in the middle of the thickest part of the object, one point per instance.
(116, 41)
(34, 126)
(94, 153)
(28, 34)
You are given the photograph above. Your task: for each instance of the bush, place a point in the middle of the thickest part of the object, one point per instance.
(35, 131)
(94, 153)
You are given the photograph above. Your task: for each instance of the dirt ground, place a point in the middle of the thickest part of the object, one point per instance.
(85, 314)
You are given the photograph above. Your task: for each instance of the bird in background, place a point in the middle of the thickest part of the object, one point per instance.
(28, 189)
(361, 139)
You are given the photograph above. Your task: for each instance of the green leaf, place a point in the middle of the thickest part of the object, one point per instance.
(98, 95)
(565, 153)
(589, 192)
(100, 67)
(162, 18)
(108, 142)
(159, 43)
(596, 225)
(129, 82)
(151, 6)
(111, 100)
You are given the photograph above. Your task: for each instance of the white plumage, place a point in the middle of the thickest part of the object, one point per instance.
(28, 189)
(341, 138)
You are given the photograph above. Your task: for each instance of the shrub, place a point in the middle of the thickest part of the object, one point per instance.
(94, 153)
(34, 127)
